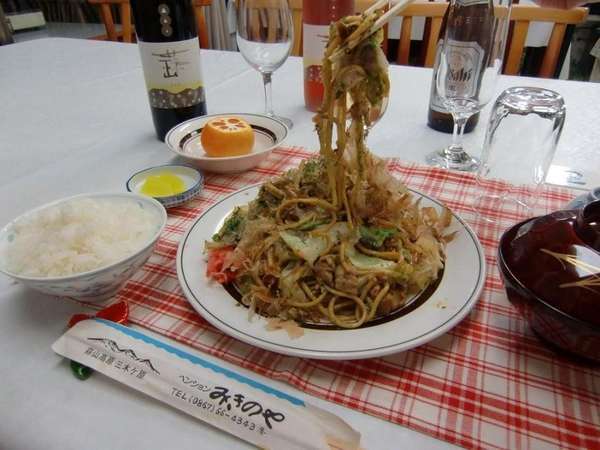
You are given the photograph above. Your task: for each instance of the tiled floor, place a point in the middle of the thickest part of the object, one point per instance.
(58, 29)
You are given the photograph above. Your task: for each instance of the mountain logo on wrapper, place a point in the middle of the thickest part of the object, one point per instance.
(109, 344)
(173, 75)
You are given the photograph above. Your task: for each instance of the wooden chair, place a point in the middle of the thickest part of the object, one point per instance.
(522, 16)
(201, 21)
(432, 10)
(296, 7)
(127, 31)
(126, 34)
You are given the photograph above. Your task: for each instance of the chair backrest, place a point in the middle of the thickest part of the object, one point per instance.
(296, 7)
(126, 33)
(431, 10)
(201, 21)
(522, 16)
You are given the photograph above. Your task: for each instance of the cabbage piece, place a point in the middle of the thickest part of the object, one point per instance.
(399, 271)
(305, 247)
(310, 248)
(288, 283)
(361, 261)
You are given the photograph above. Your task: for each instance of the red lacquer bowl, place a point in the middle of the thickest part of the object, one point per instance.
(551, 271)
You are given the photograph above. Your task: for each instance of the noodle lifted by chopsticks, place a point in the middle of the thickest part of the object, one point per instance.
(337, 240)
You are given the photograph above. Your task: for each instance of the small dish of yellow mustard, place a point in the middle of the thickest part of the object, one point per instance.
(172, 185)
(163, 184)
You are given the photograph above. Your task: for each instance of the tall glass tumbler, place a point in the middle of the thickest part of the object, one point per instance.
(521, 139)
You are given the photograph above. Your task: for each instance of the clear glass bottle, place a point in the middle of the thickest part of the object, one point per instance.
(316, 17)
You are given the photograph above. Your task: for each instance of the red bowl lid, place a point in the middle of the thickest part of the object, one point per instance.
(557, 258)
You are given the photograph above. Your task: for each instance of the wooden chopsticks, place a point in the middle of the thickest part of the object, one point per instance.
(360, 32)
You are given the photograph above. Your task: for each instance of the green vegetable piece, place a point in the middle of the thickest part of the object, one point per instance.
(80, 371)
(374, 237)
(311, 225)
(231, 230)
(311, 171)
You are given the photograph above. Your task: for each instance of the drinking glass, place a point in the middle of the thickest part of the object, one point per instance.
(470, 61)
(520, 142)
(264, 36)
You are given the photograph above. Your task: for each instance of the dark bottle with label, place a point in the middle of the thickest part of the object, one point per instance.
(170, 53)
(438, 116)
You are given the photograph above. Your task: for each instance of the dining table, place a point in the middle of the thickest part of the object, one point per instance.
(74, 118)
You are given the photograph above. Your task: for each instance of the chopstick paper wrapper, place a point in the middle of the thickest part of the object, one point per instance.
(250, 410)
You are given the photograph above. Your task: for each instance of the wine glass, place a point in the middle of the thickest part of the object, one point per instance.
(264, 36)
(470, 61)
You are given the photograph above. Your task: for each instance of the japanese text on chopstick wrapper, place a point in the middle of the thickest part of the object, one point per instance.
(239, 405)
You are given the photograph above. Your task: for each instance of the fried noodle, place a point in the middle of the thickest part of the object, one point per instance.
(336, 240)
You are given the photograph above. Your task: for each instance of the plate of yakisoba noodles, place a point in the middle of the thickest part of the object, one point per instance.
(336, 258)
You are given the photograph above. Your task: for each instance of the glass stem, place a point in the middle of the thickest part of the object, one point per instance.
(456, 147)
(268, 94)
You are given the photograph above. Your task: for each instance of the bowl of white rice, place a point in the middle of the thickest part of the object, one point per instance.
(85, 247)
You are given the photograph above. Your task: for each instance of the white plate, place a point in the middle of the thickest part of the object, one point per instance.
(184, 140)
(453, 298)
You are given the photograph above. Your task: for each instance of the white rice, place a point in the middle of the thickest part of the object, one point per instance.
(77, 236)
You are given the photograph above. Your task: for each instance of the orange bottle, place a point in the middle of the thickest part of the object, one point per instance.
(316, 17)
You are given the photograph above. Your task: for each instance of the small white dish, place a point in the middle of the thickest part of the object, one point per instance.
(192, 179)
(443, 307)
(184, 140)
(101, 283)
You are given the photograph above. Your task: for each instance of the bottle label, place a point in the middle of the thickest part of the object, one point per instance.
(436, 103)
(465, 61)
(313, 48)
(173, 73)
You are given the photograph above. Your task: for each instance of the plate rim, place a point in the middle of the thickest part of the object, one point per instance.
(295, 351)
(226, 158)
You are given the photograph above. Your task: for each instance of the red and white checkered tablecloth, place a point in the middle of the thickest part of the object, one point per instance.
(488, 383)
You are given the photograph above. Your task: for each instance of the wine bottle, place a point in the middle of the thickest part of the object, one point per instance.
(170, 54)
(316, 17)
(438, 116)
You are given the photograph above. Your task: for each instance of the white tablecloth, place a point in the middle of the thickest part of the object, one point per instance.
(74, 118)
